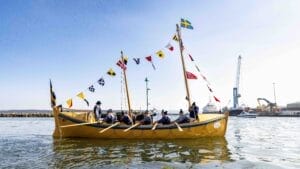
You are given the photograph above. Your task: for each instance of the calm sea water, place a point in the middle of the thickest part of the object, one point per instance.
(263, 142)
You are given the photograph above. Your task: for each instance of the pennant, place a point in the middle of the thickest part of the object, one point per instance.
(81, 96)
(149, 59)
(111, 72)
(191, 58)
(101, 81)
(69, 103)
(190, 75)
(137, 60)
(52, 96)
(197, 68)
(125, 60)
(216, 99)
(186, 24)
(160, 54)
(209, 88)
(170, 47)
(121, 64)
(92, 88)
(175, 38)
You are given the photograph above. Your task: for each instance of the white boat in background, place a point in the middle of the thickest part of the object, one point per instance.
(247, 113)
(210, 108)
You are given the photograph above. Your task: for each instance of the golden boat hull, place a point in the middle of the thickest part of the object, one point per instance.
(210, 125)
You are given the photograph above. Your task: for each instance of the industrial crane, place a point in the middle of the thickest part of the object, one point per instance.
(236, 93)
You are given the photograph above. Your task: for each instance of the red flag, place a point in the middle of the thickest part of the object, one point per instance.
(216, 99)
(121, 65)
(170, 47)
(149, 58)
(191, 57)
(190, 75)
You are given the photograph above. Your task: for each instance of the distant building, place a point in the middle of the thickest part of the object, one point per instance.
(293, 106)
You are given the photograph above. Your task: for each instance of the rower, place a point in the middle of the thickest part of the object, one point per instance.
(125, 118)
(110, 117)
(147, 119)
(182, 118)
(165, 119)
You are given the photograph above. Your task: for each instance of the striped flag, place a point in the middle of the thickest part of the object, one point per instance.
(52, 96)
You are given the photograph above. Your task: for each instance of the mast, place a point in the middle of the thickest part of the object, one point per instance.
(147, 93)
(183, 66)
(126, 86)
(274, 93)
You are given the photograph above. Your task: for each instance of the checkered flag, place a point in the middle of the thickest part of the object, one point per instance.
(92, 88)
(101, 81)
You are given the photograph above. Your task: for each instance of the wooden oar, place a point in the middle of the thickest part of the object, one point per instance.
(131, 127)
(80, 124)
(109, 127)
(154, 126)
(179, 128)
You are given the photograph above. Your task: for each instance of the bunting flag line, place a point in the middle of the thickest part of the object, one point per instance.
(125, 60)
(170, 47)
(81, 96)
(191, 58)
(92, 88)
(160, 54)
(186, 24)
(87, 102)
(209, 88)
(190, 75)
(149, 59)
(101, 81)
(69, 103)
(216, 99)
(175, 38)
(111, 72)
(121, 64)
(197, 68)
(53, 96)
(137, 60)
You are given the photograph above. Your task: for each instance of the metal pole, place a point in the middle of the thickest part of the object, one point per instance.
(183, 66)
(274, 93)
(147, 93)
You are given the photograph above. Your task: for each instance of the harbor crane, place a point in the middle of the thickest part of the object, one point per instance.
(236, 93)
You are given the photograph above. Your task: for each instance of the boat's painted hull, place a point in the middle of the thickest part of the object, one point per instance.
(210, 125)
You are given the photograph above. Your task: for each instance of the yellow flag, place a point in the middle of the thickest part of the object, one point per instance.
(111, 72)
(160, 54)
(125, 60)
(69, 103)
(175, 38)
(81, 95)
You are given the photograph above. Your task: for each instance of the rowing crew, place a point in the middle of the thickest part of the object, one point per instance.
(145, 118)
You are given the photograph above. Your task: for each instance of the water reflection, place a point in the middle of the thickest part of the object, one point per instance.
(91, 152)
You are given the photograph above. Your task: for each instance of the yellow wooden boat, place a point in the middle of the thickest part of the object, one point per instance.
(210, 125)
(72, 123)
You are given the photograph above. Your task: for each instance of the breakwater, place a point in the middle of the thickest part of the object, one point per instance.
(26, 114)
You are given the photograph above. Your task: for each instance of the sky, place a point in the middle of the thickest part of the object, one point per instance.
(74, 43)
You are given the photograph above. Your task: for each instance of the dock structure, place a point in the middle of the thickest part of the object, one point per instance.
(26, 114)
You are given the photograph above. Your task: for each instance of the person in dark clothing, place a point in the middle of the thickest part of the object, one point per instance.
(110, 118)
(147, 119)
(165, 118)
(182, 118)
(97, 110)
(126, 119)
(194, 110)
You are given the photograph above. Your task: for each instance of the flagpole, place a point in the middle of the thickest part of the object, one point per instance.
(126, 85)
(183, 65)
